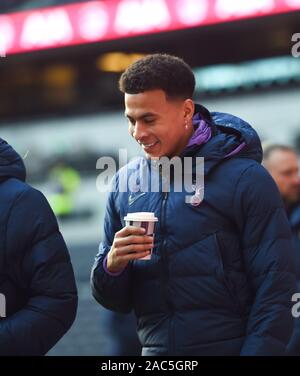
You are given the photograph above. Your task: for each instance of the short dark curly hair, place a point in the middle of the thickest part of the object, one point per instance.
(159, 71)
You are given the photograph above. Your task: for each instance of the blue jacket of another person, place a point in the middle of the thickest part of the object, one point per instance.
(294, 218)
(37, 285)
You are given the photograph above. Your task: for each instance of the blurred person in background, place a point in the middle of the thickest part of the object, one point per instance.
(218, 282)
(65, 181)
(282, 162)
(36, 275)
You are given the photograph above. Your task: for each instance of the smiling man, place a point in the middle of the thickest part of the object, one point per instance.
(153, 122)
(220, 279)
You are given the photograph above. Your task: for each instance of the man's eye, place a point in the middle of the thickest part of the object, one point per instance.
(148, 121)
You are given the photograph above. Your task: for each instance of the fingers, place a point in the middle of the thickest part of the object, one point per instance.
(133, 239)
(131, 243)
(117, 262)
(130, 230)
(133, 248)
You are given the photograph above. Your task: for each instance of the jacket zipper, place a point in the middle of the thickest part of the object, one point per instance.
(165, 270)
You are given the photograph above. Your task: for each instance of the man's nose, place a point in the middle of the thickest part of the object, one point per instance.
(139, 131)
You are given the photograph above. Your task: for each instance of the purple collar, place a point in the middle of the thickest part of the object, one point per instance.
(202, 132)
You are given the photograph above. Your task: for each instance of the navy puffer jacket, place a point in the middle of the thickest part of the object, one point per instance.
(294, 219)
(36, 276)
(221, 278)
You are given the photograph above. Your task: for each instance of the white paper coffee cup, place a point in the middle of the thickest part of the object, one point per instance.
(142, 219)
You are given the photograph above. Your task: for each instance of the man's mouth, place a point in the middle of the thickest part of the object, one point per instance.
(148, 146)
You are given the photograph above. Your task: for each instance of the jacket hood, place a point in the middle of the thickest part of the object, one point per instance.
(232, 136)
(11, 164)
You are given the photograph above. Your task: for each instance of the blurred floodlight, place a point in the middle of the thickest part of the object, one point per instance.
(116, 61)
(46, 29)
(60, 75)
(93, 21)
(141, 16)
(293, 3)
(193, 12)
(233, 8)
(7, 35)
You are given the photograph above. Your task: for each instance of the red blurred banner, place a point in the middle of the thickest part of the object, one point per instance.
(96, 21)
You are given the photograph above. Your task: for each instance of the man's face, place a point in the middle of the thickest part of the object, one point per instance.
(158, 123)
(284, 168)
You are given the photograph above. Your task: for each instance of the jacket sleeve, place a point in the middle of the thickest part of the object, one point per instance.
(40, 266)
(111, 291)
(267, 251)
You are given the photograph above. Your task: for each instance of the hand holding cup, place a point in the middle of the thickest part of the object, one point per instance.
(130, 243)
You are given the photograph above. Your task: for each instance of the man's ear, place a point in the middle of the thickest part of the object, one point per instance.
(189, 109)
